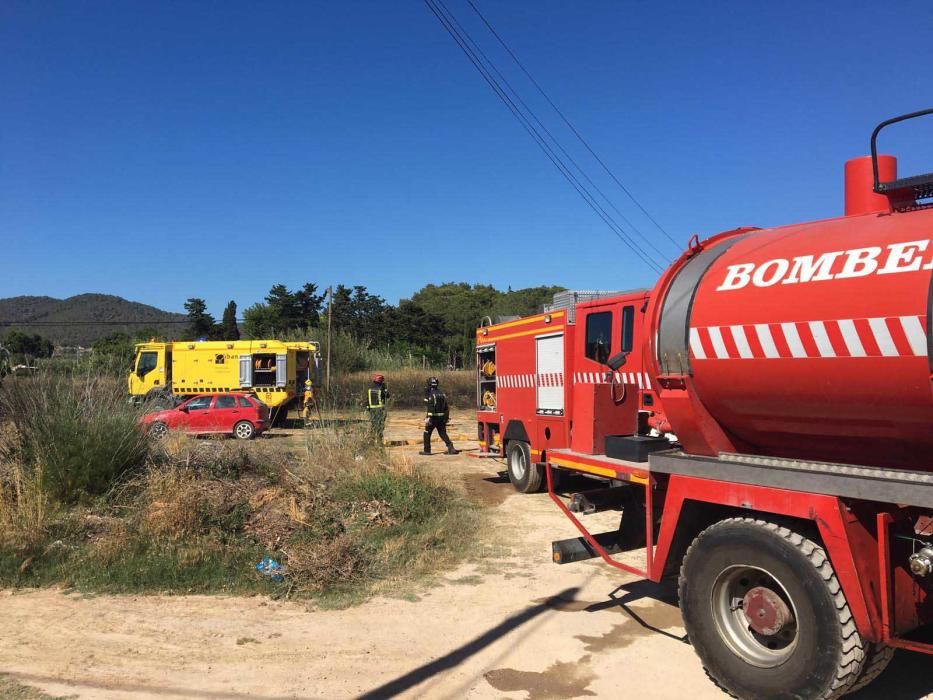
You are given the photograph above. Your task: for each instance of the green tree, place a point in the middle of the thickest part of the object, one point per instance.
(24, 346)
(310, 303)
(228, 328)
(259, 321)
(200, 323)
(360, 314)
(524, 302)
(284, 308)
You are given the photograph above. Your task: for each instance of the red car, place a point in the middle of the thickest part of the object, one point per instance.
(241, 415)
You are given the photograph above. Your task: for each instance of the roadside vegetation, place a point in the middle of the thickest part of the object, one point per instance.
(406, 387)
(86, 501)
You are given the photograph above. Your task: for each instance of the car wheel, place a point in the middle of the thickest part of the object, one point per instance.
(244, 430)
(158, 430)
(525, 476)
(766, 615)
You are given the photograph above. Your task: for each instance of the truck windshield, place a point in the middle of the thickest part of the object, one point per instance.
(598, 330)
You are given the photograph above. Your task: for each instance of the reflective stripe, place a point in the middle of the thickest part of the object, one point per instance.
(376, 402)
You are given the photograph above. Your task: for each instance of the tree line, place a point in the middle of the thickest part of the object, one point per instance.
(437, 323)
(24, 347)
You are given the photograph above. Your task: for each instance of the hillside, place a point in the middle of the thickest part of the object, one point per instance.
(82, 318)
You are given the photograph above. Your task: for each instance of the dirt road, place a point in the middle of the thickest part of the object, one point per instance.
(512, 625)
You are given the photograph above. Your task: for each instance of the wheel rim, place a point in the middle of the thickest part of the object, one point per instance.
(244, 431)
(754, 615)
(158, 431)
(517, 463)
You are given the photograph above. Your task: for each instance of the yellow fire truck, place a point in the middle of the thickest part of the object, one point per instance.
(279, 373)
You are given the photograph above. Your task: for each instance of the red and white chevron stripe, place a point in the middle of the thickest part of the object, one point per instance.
(639, 378)
(895, 336)
(517, 381)
(551, 379)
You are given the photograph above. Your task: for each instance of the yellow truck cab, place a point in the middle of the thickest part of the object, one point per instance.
(278, 372)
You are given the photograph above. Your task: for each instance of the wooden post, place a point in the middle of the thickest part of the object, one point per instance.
(330, 308)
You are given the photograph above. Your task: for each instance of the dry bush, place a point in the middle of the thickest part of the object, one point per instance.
(406, 387)
(343, 515)
(25, 507)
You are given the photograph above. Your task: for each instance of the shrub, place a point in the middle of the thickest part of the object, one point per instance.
(78, 434)
(345, 517)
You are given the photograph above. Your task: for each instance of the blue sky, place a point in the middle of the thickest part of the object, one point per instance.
(161, 150)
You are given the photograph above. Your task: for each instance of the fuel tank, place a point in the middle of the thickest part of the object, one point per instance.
(809, 341)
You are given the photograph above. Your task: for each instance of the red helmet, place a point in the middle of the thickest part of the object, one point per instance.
(378, 378)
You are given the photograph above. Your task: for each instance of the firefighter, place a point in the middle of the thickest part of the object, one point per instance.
(437, 416)
(376, 398)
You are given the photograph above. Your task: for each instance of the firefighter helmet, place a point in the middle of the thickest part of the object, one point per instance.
(433, 382)
(378, 378)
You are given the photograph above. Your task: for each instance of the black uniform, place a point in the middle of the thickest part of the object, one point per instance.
(437, 414)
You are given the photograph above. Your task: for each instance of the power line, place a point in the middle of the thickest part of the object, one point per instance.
(536, 136)
(539, 140)
(569, 124)
(477, 48)
(92, 323)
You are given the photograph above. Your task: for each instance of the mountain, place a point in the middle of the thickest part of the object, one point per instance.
(81, 319)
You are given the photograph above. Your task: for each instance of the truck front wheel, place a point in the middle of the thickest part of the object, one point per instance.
(766, 614)
(525, 476)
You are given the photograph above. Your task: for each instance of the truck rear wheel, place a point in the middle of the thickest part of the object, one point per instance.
(525, 476)
(766, 614)
(877, 659)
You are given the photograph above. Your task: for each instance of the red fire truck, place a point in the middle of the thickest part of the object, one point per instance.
(540, 375)
(792, 370)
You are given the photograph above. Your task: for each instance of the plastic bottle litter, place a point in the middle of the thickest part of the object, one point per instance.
(271, 568)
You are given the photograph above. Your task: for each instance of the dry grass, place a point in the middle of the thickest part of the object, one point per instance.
(25, 507)
(406, 387)
(344, 517)
(73, 435)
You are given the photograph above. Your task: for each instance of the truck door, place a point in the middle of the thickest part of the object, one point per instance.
(246, 371)
(550, 375)
(146, 374)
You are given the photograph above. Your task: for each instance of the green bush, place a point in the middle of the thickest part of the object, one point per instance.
(78, 432)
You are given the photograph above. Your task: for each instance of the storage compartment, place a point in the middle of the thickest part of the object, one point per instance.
(264, 369)
(486, 378)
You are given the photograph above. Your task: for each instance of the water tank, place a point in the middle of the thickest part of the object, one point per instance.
(810, 341)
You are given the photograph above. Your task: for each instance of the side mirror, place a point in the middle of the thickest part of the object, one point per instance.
(616, 361)
(183, 409)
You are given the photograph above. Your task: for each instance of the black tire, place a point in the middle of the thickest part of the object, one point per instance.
(877, 659)
(159, 399)
(244, 430)
(525, 476)
(158, 430)
(818, 654)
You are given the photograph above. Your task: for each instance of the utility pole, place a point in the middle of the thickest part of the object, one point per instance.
(330, 308)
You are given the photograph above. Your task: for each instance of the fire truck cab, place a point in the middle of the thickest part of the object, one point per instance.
(543, 383)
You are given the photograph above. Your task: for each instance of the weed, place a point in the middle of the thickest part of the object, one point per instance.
(343, 516)
(11, 689)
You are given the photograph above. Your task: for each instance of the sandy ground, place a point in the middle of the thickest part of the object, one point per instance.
(511, 626)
